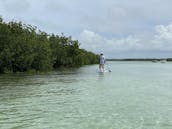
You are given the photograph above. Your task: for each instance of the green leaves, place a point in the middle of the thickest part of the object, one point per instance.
(23, 48)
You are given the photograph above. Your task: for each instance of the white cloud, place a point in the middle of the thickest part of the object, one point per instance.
(161, 41)
(163, 38)
(164, 32)
(94, 42)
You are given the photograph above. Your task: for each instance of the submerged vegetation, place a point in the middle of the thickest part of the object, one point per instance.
(24, 48)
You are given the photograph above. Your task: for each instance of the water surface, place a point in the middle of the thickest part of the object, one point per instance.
(135, 95)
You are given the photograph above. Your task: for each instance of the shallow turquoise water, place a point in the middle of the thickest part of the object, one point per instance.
(135, 95)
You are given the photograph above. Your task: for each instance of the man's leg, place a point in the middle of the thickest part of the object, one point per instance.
(100, 67)
(103, 67)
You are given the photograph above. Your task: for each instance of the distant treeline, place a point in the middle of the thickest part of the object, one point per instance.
(24, 48)
(141, 59)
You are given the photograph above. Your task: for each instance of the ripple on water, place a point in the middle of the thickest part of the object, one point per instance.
(135, 95)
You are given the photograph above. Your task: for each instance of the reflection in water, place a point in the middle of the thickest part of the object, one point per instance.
(101, 76)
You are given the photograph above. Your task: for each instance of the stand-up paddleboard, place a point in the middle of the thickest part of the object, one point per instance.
(106, 70)
(103, 71)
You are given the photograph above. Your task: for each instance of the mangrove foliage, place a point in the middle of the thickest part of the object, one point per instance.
(24, 48)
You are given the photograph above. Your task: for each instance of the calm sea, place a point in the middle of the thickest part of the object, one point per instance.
(135, 95)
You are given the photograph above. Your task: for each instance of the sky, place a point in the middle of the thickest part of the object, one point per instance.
(118, 28)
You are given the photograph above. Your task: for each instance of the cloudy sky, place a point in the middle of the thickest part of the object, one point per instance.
(119, 28)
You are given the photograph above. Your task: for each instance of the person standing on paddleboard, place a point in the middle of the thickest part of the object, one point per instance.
(102, 61)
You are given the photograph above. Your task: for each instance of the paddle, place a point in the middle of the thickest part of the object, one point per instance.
(108, 68)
